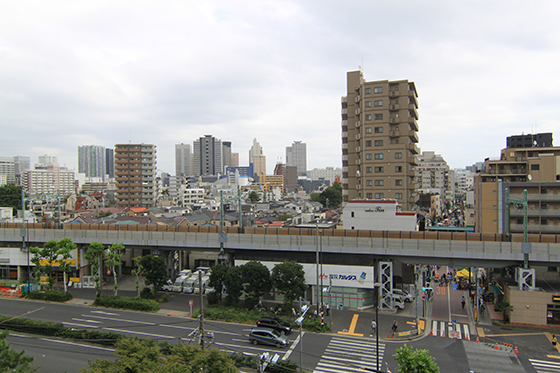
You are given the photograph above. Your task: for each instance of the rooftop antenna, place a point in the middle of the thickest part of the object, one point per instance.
(130, 138)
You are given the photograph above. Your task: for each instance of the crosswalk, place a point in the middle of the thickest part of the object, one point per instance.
(451, 330)
(544, 366)
(349, 355)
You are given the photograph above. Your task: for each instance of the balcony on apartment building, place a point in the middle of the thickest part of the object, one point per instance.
(413, 123)
(536, 228)
(413, 148)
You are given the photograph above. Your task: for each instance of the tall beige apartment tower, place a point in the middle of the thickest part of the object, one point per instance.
(379, 137)
(135, 174)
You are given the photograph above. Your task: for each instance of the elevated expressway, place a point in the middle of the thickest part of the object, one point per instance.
(337, 247)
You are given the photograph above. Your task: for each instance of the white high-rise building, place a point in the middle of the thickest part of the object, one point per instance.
(8, 168)
(91, 161)
(329, 173)
(433, 174)
(183, 160)
(296, 155)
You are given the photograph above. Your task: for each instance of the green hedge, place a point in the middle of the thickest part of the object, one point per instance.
(50, 295)
(55, 329)
(136, 304)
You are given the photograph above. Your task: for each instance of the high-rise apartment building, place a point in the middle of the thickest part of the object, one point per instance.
(22, 163)
(296, 155)
(135, 174)
(110, 163)
(257, 158)
(379, 137)
(91, 161)
(207, 156)
(47, 160)
(8, 168)
(329, 174)
(49, 181)
(433, 174)
(183, 160)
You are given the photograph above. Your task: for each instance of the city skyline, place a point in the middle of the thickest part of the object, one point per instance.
(274, 71)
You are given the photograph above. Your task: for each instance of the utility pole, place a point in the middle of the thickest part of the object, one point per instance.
(201, 310)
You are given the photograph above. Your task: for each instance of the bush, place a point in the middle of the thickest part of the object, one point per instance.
(242, 360)
(212, 298)
(50, 295)
(147, 293)
(136, 304)
(104, 338)
(283, 366)
(314, 325)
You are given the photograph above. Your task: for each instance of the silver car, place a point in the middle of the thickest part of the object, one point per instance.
(404, 296)
(268, 336)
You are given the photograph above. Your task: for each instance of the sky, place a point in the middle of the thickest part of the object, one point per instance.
(78, 73)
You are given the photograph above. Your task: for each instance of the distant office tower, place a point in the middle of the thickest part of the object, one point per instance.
(8, 168)
(234, 159)
(22, 163)
(257, 158)
(207, 156)
(47, 160)
(91, 160)
(226, 153)
(290, 176)
(296, 155)
(183, 159)
(110, 162)
(135, 174)
(379, 137)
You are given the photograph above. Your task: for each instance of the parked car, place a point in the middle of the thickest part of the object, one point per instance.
(275, 323)
(398, 302)
(268, 336)
(168, 286)
(404, 295)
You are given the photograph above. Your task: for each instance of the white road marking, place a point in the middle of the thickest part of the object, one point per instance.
(105, 313)
(291, 349)
(123, 320)
(140, 333)
(77, 344)
(80, 325)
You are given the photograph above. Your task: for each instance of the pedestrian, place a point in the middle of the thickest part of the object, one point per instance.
(328, 309)
(373, 326)
(554, 341)
(395, 327)
(341, 306)
(463, 302)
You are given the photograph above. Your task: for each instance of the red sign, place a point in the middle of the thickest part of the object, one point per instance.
(191, 302)
(108, 271)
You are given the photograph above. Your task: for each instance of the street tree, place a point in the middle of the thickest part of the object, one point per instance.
(218, 279)
(138, 272)
(10, 196)
(65, 247)
(234, 285)
(412, 360)
(256, 280)
(44, 260)
(13, 361)
(288, 278)
(155, 271)
(113, 257)
(506, 308)
(254, 197)
(332, 196)
(94, 256)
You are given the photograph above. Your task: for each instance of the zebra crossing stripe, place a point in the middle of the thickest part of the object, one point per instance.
(543, 366)
(467, 334)
(442, 328)
(434, 327)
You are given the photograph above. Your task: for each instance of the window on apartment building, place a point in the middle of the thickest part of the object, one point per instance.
(378, 90)
(495, 222)
(378, 195)
(379, 170)
(398, 195)
(494, 192)
(378, 155)
(378, 130)
(398, 182)
(368, 170)
(552, 269)
(368, 129)
(368, 157)
(544, 221)
(378, 116)
(535, 167)
(378, 143)
(352, 214)
(368, 195)
(543, 191)
(368, 116)
(368, 143)
(495, 207)
(544, 206)
(398, 155)
(378, 103)
(369, 182)
(368, 103)
(368, 91)
(398, 168)
(379, 183)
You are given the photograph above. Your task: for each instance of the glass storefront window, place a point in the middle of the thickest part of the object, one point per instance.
(553, 314)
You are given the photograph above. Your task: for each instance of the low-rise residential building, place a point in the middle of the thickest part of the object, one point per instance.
(381, 215)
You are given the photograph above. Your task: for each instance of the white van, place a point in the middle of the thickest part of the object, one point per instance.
(200, 288)
(188, 287)
(179, 284)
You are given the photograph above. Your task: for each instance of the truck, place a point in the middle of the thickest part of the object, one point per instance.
(200, 287)
(188, 287)
(179, 284)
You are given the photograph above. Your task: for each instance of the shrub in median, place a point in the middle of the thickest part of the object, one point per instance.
(50, 295)
(136, 304)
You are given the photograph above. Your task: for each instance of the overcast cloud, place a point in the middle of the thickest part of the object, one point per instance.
(107, 72)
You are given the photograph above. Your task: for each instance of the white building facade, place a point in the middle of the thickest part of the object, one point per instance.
(379, 215)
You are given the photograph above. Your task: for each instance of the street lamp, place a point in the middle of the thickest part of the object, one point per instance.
(376, 287)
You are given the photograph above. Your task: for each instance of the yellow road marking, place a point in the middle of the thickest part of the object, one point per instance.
(411, 323)
(553, 356)
(549, 336)
(353, 327)
(512, 335)
(480, 332)
(421, 324)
